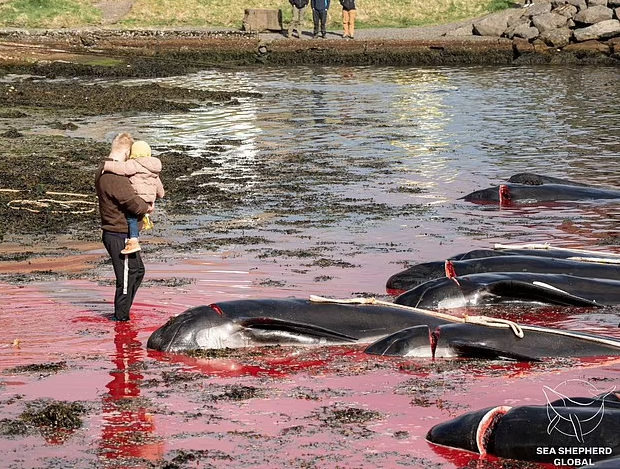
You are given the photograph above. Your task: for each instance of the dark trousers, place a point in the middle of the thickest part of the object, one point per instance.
(319, 16)
(129, 272)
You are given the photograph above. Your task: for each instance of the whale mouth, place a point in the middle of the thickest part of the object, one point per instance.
(486, 427)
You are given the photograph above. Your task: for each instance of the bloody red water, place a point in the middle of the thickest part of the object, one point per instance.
(107, 365)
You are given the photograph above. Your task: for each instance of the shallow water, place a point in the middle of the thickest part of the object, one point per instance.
(384, 153)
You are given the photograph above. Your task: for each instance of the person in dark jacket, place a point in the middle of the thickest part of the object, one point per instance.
(116, 198)
(299, 6)
(348, 18)
(319, 15)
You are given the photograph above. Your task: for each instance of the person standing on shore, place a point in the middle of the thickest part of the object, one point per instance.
(348, 18)
(143, 171)
(319, 16)
(116, 198)
(299, 6)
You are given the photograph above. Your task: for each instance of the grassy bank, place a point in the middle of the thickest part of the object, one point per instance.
(229, 15)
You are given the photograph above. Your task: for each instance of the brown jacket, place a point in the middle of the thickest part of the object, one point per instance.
(116, 197)
(143, 174)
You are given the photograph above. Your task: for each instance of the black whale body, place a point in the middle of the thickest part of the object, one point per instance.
(467, 340)
(420, 273)
(524, 193)
(613, 463)
(559, 253)
(539, 179)
(506, 287)
(252, 322)
(520, 432)
(390, 330)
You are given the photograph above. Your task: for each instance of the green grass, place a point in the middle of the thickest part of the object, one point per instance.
(48, 13)
(227, 14)
(498, 5)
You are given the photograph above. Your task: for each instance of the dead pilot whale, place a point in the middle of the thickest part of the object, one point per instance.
(254, 322)
(509, 287)
(563, 427)
(420, 273)
(508, 193)
(534, 179)
(390, 330)
(469, 340)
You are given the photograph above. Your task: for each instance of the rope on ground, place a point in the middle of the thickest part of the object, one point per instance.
(71, 194)
(481, 320)
(522, 246)
(548, 246)
(595, 260)
(62, 206)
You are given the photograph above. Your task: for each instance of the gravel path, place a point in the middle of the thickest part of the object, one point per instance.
(419, 33)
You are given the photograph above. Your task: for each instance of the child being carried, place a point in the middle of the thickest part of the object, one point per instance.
(143, 172)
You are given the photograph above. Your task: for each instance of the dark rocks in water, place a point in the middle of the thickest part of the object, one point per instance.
(12, 133)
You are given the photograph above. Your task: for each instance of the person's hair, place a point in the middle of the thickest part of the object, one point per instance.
(140, 149)
(122, 143)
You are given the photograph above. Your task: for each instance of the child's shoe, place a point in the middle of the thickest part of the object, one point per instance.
(132, 245)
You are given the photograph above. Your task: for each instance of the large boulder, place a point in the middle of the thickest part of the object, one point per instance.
(589, 47)
(569, 11)
(522, 46)
(549, 21)
(496, 24)
(520, 22)
(539, 9)
(467, 30)
(593, 3)
(525, 31)
(558, 38)
(614, 45)
(602, 30)
(580, 4)
(258, 20)
(593, 15)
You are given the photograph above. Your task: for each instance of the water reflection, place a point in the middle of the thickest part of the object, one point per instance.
(128, 427)
(423, 118)
(401, 136)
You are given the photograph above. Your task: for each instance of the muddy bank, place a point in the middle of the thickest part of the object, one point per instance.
(171, 52)
(47, 187)
(48, 191)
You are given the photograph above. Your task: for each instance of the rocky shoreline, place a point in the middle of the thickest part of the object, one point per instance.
(548, 32)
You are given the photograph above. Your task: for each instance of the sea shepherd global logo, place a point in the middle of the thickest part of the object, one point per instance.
(559, 408)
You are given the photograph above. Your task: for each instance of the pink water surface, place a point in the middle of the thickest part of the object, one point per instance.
(69, 321)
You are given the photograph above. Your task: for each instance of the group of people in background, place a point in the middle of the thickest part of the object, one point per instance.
(319, 17)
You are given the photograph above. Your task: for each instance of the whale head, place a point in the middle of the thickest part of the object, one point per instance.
(203, 327)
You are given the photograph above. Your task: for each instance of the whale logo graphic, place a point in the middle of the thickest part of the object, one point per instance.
(568, 423)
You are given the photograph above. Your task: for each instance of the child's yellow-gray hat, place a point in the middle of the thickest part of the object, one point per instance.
(140, 149)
